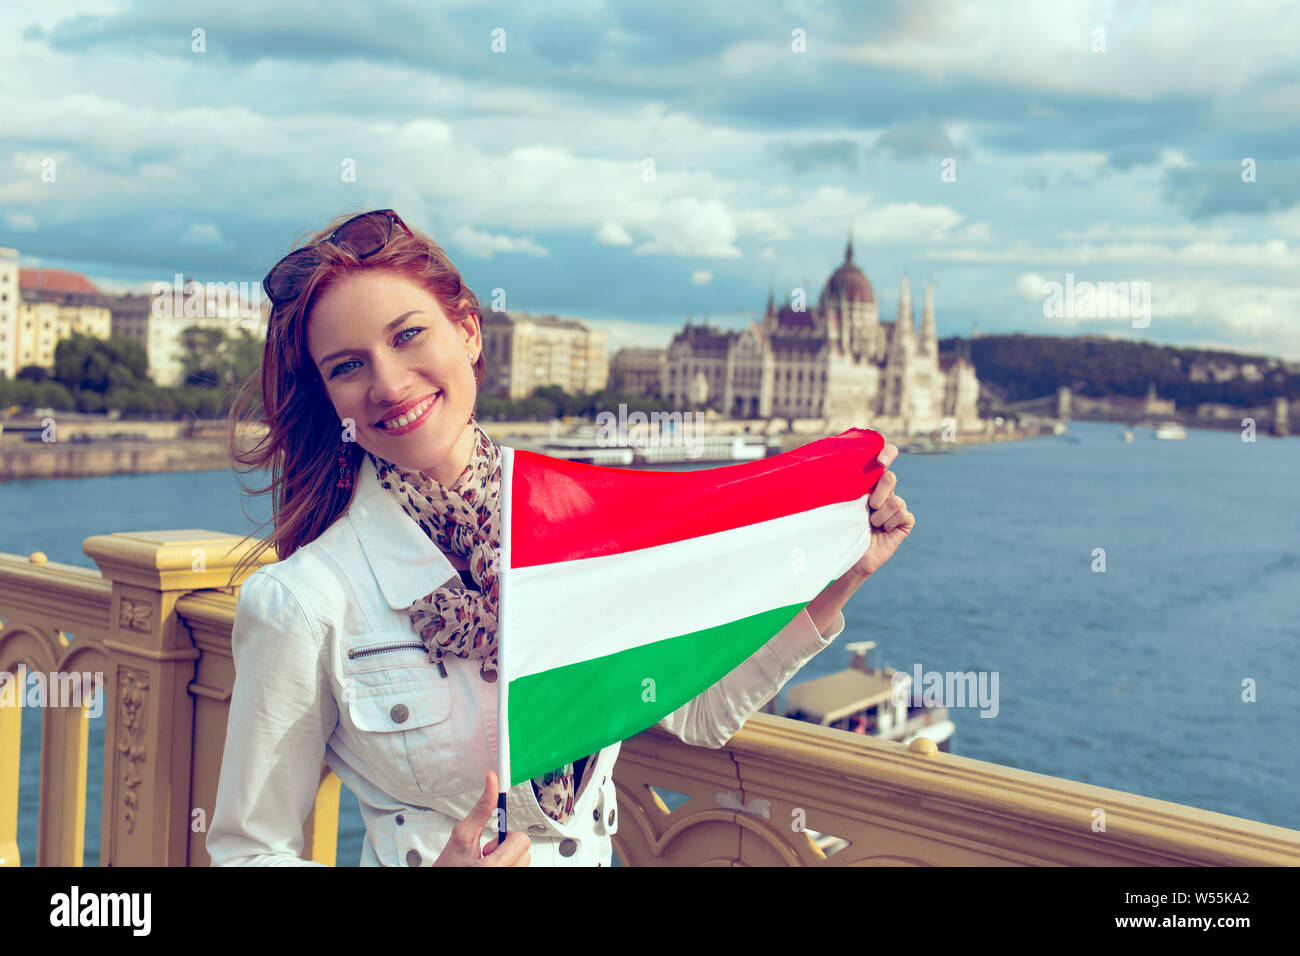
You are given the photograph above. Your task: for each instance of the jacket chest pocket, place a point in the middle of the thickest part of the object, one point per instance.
(403, 722)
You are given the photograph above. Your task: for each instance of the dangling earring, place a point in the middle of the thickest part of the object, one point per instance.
(471, 356)
(345, 469)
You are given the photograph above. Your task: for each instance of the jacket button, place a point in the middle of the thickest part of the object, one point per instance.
(568, 847)
(399, 713)
(611, 817)
(536, 828)
(595, 814)
(412, 857)
(400, 819)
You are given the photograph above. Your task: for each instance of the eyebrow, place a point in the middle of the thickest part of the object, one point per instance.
(387, 328)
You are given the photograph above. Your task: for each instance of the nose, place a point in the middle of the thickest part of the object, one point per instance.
(390, 381)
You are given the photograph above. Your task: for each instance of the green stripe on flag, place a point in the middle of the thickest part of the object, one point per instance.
(568, 712)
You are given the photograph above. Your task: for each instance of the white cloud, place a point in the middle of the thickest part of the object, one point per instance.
(692, 227)
(612, 234)
(1256, 318)
(1150, 50)
(484, 245)
(204, 234)
(1270, 254)
(760, 224)
(1188, 231)
(20, 221)
(1286, 221)
(701, 276)
(1030, 285)
(906, 221)
(826, 210)
(1262, 315)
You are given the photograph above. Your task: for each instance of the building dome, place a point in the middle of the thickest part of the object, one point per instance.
(848, 281)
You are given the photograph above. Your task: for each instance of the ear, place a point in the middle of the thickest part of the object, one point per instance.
(472, 333)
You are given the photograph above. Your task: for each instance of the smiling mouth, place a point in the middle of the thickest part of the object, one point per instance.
(411, 418)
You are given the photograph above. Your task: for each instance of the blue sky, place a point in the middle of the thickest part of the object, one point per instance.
(1120, 163)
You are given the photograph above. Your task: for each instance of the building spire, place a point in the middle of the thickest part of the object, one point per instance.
(905, 320)
(848, 249)
(929, 330)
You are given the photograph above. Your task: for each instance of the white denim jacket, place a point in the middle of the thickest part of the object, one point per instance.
(328, 668)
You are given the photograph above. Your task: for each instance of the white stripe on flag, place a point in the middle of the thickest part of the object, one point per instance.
(578, 610)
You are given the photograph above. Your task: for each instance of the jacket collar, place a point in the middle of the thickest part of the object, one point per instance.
(405, 562)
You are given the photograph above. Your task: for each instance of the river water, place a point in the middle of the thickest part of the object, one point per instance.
(1171, 674)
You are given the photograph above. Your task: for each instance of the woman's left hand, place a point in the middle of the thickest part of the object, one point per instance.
(890, 520)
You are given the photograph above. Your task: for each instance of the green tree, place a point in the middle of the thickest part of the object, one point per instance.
(51, 394)
(215, 357)
(86, 363)
(21, 392)
(493, 409)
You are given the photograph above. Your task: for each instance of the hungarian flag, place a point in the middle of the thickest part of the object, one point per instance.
(627, 593)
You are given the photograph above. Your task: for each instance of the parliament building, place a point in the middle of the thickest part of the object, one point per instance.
(836, 361)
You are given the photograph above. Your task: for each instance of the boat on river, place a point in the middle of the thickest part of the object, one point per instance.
(584, 446)
(1170, 431)
(862, 699)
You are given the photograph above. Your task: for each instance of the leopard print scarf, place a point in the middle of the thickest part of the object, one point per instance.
(465, 518)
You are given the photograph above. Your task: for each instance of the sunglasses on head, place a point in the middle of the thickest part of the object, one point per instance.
(362, 235)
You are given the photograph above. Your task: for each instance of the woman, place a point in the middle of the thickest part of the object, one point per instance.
(370, 645)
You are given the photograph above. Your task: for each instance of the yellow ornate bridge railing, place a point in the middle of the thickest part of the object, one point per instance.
(155, 623)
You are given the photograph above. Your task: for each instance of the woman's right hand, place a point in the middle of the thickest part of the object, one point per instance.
(462, 848)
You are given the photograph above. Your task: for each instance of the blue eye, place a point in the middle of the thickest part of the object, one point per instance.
(414, 328)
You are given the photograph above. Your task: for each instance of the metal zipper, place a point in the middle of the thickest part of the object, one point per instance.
(381, 648)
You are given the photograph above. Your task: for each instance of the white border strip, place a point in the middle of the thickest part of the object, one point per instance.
(503, 615)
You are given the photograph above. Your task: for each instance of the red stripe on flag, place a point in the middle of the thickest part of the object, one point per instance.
(563, 510)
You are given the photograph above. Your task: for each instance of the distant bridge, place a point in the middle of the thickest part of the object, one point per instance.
(1062, 405)
(1056, 405)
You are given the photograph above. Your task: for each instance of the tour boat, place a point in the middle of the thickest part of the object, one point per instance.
(585, 450)
(666, 449)
(862, 699)
(1170, 430)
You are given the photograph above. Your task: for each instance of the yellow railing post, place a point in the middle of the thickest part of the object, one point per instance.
(11, 723)
(151, 663)
(321, 829)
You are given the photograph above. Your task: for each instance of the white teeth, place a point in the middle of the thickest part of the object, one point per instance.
(410, 416)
